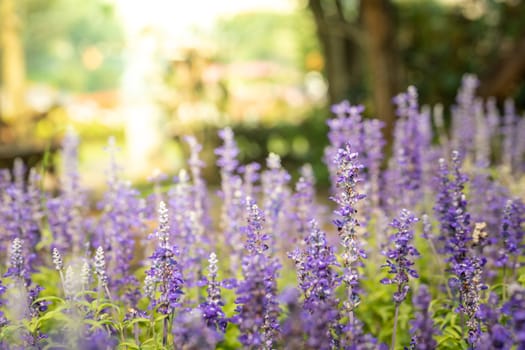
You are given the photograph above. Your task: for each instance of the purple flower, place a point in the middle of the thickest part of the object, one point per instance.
(228, 152)
(487, 201)
(364, 136)
(276, 193)
(57, 260)
(457, 236)
(250, 177)
(464, 115)
(21, 211)
(3, 319)
(318, 282)
(67, 210)
(257, 307)
(96, 340)
(345, 128)
(187, 228)
(515, 310)
(212, 309)
(423, 329)
(99, 263)
(293, 325)
(410, 143)
(400, 257)
(23, 294)
(165, 274)
(509, 134)
(17, 268)
(231, 194)
(121, 220)
(512, 232)
(200, 194)
(372, 157)
(497, 335)
(190, 332)
(347, 224)
(304, 203)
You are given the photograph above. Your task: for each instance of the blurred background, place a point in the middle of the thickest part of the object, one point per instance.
(149, 72)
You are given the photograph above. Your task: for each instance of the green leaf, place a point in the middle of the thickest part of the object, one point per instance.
(138, 320)
(49, 298)
(128, 344)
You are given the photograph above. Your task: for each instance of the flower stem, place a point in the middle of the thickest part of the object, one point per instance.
(165, 332)
(62, 281)
(394, 331)
(136, 333)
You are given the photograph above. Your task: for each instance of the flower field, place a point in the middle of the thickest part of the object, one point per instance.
(423, 249)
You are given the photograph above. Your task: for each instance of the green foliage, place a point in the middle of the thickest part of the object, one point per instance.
(434, 37)
(286, 38)
(57, 33)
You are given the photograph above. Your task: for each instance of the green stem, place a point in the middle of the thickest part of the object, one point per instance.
(136, 333)
(439, 263)
(394, 331)
(165, 332)
(62, 282)
(504, 287)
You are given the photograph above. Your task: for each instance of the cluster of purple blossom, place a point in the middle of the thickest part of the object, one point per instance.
(472, 227)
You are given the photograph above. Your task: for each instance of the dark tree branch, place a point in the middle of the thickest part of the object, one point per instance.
(335, 25)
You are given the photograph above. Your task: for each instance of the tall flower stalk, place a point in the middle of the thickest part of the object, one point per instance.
(315, 265)
(257, 306)
(23, 303)
(304, 203)
(347, 197)
(512, 234)
(231, 194)
(67, 210)
(212, 308)
(345, 127)
(163, 282)
(200, 193)
(119, 223)
(458, 244)
(400, 261)
(276, 193)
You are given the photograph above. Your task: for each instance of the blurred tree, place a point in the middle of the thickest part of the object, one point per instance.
(70, 45)
(285, 38)
(13, 62)
(73, 45)
(345, 28)
(429, 44)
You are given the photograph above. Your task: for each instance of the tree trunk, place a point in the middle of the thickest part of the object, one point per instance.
(13, 64)
(504, 77)
(377, 18)
(338, 42)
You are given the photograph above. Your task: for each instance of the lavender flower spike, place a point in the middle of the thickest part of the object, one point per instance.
(16, 262)
(165, 274)
(164, 228)
(100, 270)
(257, 306)
(456, 232)
(57, 260)
(515, 309)
(399, 257)
(85, 275)
(348, 169)
(212, 308)
(318, 281)
(399, 261)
